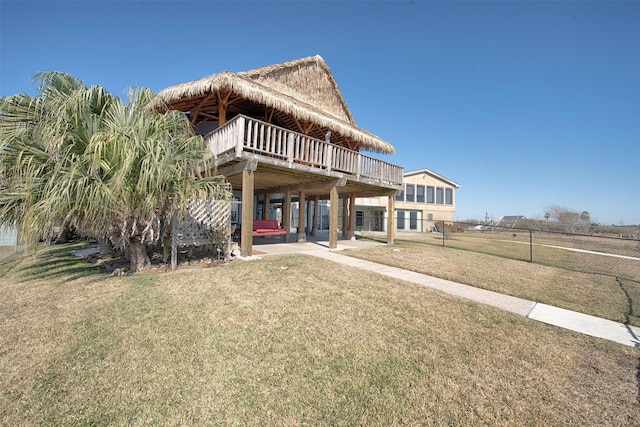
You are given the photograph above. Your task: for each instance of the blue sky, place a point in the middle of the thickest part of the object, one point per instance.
(524, 104)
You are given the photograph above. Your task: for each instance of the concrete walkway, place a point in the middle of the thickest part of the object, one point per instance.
(578, 322)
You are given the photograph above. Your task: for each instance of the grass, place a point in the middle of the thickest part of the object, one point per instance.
(600, 295)
(287, 340)
(548, 249)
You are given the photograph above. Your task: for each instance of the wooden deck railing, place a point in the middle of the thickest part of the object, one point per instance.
(244, 134)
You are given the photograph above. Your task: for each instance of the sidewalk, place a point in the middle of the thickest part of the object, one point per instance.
(578, 322)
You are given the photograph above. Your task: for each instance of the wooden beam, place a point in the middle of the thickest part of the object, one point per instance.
(193, 115)
(307, 128)
(314, 220)
(351, 231)
(390, 222)
(313, 186)
(345, 218)
(246, 235)
(301, 236)
(223, 102)
(238, 168)
(268, 114)
(211, 116)
(265, 207)
(195, 111)
(333, 217)
(286, 215)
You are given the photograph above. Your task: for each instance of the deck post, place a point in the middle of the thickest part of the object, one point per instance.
(286, 215)
(222, 111)
(246, 235)
(345, 218)
(314, 220)
(301, 236)
(351, 232)
(333, 217)
(265, 206)
(390, 222)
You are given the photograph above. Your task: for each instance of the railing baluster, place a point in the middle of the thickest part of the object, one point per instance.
(239, 129)
(290, 148)
(328, 155)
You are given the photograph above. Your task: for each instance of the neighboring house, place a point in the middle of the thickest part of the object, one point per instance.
(282, 133)
(426, 198)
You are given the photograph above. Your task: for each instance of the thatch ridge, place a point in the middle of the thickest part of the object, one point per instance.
(267, 86)
(271, 75)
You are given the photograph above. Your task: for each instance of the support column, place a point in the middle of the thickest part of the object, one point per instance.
(265, 206)
(246, 236)
(286, 215)
(223, 100)
(351, 232)
(314, 220)
(390, 225)
(345, 218)
(302, 236)
(333, 217)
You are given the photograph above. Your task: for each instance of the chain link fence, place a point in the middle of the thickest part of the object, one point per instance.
(589, 253)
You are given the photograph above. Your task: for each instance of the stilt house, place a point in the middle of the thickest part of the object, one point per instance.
(286, 129)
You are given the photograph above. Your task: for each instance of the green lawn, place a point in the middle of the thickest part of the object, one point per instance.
(287, 340)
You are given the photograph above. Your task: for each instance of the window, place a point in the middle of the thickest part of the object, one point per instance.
(430, 194)
(448, 196)
(430, 217)
(413, 220)
(359, 218)
(420, 193)
(400, 220)
(439, 196)
(410, 192)
(400, 196)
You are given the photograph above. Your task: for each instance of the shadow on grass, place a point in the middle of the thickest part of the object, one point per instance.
(52, 262)
(631, 313)
(638, 380)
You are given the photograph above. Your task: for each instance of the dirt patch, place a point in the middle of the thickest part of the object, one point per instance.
(117, 265)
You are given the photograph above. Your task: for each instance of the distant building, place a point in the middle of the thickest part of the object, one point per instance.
(426, 198)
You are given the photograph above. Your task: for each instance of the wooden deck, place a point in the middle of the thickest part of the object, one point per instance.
(292, 153)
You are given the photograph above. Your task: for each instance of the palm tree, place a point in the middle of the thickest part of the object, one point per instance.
(155, 159)
(41, 138)
(78, 156)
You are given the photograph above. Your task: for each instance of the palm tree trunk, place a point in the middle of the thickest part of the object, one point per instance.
(139, 257)
(166, 249)
(106, 248)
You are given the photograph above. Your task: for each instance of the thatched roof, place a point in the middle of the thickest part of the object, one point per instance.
(299, 91)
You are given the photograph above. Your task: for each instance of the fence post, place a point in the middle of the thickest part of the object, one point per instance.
(531, 245)
(443, 233)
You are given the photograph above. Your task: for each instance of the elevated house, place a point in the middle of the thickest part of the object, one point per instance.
(286, 130)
